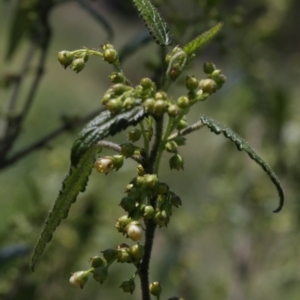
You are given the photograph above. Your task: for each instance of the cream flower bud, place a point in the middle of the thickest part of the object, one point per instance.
(104, 164)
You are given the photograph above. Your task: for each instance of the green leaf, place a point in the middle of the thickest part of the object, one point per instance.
(193, 46)
(83, 155)
(75, 182)
(154, 22)
(102, 126)
(242, 145)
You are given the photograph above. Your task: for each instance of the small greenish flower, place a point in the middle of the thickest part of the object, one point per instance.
(80, 278)
(100, 274)
(155, 288)
(128, 286)
(65, 58)
(176, 162)
(78, 64)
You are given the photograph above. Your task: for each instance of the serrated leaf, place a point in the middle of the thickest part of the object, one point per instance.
(83, 155)
(102, 126)
(242, 145)
(193, 46)
(74, 182)
(154, 22)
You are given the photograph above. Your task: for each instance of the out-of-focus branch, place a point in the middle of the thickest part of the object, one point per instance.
(68, 125)
(40, 38)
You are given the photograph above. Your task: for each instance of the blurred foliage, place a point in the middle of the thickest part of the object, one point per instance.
(225, 243)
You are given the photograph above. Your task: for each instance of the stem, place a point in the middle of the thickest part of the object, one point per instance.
(150, 225)
(145, 138)
(196, 126)
(162, 144)
(117, 148)
(144, 267)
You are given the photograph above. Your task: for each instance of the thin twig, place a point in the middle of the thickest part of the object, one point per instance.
(41, 38)
(42, 142)
(18, 82)
(113, 146)
(196, 126)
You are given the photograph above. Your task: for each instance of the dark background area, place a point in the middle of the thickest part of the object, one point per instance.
(224, 242)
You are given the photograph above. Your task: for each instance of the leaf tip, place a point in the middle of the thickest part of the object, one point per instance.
(281, 203)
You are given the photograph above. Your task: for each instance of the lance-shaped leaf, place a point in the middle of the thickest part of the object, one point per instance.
(102, 126)
(75, 182)
(193, 46)
(82, 162)
(242, 145)
(154, 22)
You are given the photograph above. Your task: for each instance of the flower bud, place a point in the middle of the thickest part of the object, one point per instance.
(104, 164)
(132, 191)
(100, 274)
(161, 95)
(134, 230)
(114, 105)
(218, 77)
(173, 110)
(97, 262)
(162, 188)
(183, 102)
(149, 105)
(116, 77)
(118, 161)
(110, 254)
(129, 103)
(162, 218)
(147, 83)
(151, 180)
(160, 106)
(110, 55)
(137, 251)
(148, 212)
(128, 286)
(191, 83)
(171, 147)
(106, 98)
(181, 124)
(65, 58)
(140, 170)
(208, 67)
(155, 288)
(120, 88)
(122, 223)
(128, 204)
(134, 135)
(78, 64)
(80, 278)
(123, 255)
(176, 162)
(208, 86)
(128, 149)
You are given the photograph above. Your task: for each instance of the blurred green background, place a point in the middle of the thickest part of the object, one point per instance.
(224, 242)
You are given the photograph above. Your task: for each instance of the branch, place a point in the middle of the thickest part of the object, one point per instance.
(41, 38)
(67, 126)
